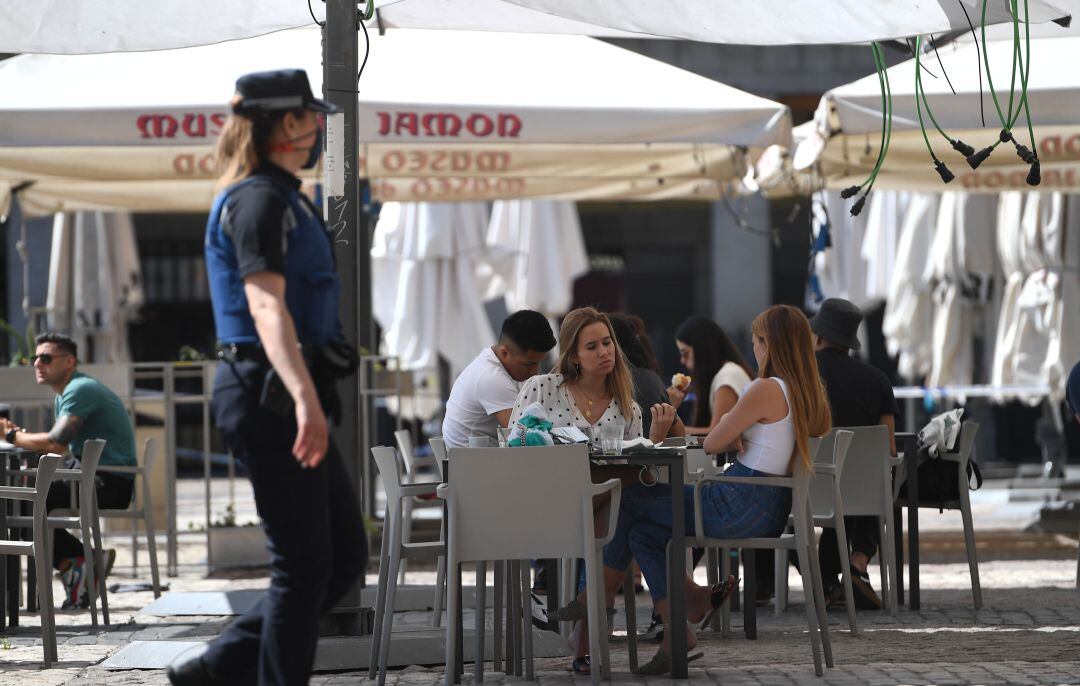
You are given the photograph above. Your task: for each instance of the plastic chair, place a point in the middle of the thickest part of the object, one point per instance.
(84, 518)
(493, 498)
(965, 445)
(827, 505)
(39, 547)
(866, 490)
(801, 540)
(412, 463)
(144, 511)
(394, 549)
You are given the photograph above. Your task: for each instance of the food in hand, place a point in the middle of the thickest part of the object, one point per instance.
(680, 381)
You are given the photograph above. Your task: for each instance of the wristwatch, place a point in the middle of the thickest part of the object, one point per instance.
(10, 436)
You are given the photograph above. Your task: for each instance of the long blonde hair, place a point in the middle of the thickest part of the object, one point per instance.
(619, 383)
(789, 354)
(244, 142)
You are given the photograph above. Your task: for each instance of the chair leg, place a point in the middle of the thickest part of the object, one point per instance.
(99, 560)
(567, 585)
(811, 614)
(380, 597)
(594, 605)
(845, 569)
(526, 624)
(481, 611)
(151, 540)
(406, 533)
(969, 543)
(630, 603)
(44, 590)
(453, 602)
(513, 627)
(780, 583)
(497, 620)
(391, 590)
(883, 564)
(725, 612)
(887, 552)
(89, 562)
(440, 592)
(819, 602)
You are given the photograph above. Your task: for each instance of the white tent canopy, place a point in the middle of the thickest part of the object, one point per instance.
(849, 120)
(502, 115)
(76, 26)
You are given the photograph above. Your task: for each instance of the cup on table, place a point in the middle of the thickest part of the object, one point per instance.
(611, 436)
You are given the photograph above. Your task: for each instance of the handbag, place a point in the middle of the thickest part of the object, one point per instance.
(938, 481)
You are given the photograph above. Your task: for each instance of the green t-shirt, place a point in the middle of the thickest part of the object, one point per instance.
(102, 415)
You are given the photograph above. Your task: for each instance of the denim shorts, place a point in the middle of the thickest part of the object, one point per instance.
(728, 511)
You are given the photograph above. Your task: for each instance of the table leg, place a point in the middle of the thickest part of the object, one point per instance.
(898, 539)
(749, 562)
(677, 573)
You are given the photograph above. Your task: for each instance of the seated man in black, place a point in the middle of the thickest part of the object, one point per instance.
(859, 395)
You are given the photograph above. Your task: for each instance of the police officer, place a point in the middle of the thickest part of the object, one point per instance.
(275, 291)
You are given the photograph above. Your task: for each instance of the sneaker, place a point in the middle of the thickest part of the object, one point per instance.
(865, 597)
(540, 614)
(655, 631)
(74, 581)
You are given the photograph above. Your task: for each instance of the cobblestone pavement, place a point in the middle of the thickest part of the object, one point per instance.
(1027, 633)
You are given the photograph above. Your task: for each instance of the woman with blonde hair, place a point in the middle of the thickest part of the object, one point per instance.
(770, 426)
(591, 388)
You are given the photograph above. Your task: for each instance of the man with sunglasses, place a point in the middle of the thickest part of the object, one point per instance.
(84, 408)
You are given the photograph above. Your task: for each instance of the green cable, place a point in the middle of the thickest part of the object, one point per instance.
(989, 78)
(918, 88)
(879, 58)
(1024, 71)
(1014, 9)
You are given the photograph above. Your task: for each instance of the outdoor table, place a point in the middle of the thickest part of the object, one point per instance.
(9, 564)
(674, 460)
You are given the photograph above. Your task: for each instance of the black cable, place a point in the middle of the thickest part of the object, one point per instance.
(313, 17)
(367, 48)
(943, 72)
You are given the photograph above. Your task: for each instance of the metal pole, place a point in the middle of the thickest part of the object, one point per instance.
(341, 62)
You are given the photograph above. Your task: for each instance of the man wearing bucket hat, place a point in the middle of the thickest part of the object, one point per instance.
(274, 288)
(859, 395)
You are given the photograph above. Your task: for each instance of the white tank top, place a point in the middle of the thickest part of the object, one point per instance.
(769, 447)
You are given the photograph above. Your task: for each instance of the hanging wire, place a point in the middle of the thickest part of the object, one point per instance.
(939, 166)
(978, 59)
(886, 132)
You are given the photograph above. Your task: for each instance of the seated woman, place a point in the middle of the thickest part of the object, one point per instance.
(718, 372)
(770, 426)
(591, 387)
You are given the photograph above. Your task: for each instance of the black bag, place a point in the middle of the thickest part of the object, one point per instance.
(939, 482)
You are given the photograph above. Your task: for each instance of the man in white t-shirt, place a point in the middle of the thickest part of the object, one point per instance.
(484, 393)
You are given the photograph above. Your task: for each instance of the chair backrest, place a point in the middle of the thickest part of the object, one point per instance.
(91, 456)
(518, 503)
(966, 442)
(386, 459)
(803, 475)
(438, 449)
(866, 483)
(151, 448)
(405, 445)
(833, 451)
(46, 470)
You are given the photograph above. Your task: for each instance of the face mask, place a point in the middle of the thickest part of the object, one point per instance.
(316, 150)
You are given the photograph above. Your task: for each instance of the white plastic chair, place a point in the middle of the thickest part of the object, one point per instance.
(412, 464)
(827, 505)
(493, 498)
(394, 550)
(145, 511)
(39, 547)
(82, 517)
(801, 540)
(965, 446)
(866, 490)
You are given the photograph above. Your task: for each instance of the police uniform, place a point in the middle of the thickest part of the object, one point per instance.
(310, 515)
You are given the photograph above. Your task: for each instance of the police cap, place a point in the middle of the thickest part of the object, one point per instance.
(276, 91)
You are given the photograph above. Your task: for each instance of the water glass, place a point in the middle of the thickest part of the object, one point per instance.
(611, 436)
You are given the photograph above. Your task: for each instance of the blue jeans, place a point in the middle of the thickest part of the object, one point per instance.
(728, 511)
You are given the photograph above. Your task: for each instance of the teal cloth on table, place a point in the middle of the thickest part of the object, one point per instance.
(537, 432)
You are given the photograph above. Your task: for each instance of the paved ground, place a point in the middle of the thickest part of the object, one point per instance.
(1027, 633)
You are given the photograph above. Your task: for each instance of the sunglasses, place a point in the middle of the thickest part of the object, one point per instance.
(47, 358)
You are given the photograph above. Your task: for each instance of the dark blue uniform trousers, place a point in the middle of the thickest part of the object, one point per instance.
(315, 532)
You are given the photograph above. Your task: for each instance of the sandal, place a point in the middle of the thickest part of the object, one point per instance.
(573, 611)
(660, 664)
(581, 665)
(720, 594)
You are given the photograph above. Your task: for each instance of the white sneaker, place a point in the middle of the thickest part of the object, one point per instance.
(540, 613)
